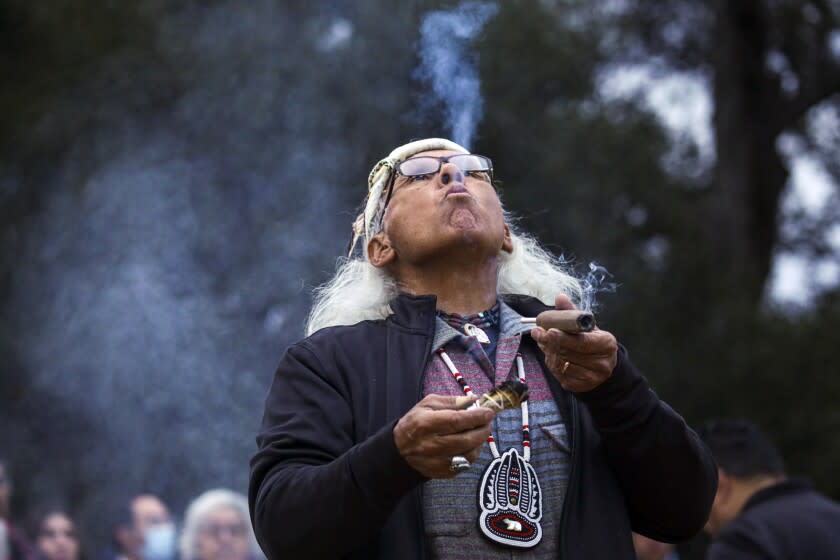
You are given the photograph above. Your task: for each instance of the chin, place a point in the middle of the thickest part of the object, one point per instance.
(462, 218)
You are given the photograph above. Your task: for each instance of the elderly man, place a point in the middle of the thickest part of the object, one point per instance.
(143, 530)
(351, 465)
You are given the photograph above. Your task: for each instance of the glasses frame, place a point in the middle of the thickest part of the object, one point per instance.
(215, 530)
(441, 161)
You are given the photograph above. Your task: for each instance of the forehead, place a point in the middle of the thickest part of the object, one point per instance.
(57, 519)
(149, 506)
(437, 153)
(224, 513)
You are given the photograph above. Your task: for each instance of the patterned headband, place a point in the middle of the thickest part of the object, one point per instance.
(380, 177)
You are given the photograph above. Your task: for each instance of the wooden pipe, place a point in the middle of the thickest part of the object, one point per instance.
(567, 320)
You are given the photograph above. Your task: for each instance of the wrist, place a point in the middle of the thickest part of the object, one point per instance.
(400, 438)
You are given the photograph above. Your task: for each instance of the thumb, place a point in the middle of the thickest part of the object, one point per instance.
(563, 302)
(447, 402)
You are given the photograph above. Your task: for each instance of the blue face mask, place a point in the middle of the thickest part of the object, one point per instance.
(159, 543)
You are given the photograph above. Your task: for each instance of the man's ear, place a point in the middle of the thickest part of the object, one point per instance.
(380, 251)
(507, 242)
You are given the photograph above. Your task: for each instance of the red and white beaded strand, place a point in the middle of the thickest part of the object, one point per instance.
(526, 432)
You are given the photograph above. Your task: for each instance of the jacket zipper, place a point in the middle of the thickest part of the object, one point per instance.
(573, 413)
(427, 357)
(575, 444)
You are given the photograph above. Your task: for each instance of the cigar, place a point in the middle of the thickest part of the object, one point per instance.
(567, 320)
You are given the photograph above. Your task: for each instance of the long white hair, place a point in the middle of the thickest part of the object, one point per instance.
(204, 505)
(359, 291)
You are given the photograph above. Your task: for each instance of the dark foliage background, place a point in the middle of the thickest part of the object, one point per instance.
(174, 178)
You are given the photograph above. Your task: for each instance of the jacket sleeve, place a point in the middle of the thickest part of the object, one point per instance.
(667, 473)
(314, 492)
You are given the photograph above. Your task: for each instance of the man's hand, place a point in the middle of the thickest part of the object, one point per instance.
(438, 428)
(580, 362)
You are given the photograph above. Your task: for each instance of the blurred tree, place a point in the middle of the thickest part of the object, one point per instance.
(691, 250)
(769, 63)
(166, 177)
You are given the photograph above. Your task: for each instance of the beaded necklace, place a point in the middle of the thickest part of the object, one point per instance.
(509, 496)
(475, 324)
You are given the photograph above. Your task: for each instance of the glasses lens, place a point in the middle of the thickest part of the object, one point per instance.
(419, 166)
(216, 530)
(471, 162)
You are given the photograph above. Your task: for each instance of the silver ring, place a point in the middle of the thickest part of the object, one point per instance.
(459, 464)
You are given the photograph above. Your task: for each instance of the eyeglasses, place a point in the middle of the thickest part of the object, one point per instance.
(472, 165)
(217, 529)
(469, 164)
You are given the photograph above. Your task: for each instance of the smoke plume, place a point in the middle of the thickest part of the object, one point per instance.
(449, 68)
(597, 280)
(200, 185)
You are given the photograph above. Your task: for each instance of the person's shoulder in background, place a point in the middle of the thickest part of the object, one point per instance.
(787, 520)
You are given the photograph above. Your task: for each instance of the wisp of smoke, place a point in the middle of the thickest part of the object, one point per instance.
(160, 279)
(446, 64)
(596, 280)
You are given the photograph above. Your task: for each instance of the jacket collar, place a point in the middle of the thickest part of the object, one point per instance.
(418, 312)
(782, 488)
(414, 312)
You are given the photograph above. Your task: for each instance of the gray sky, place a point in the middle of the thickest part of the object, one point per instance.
(683, 104)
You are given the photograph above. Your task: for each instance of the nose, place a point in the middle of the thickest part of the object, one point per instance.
(450, 172)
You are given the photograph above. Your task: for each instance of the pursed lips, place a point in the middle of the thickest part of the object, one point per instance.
(457, 189)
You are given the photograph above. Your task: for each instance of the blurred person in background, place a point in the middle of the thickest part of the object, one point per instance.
(649, 549)
(144, 530)
(217, 526)
(758, 512)
(14, 544)
(54, 535)
(4, 508)
(4, 543)
(367, 448)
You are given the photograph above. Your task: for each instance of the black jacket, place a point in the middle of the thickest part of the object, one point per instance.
(328, 481)
(786, 521)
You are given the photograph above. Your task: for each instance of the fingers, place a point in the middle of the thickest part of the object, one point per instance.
(428, 439)
(463, 403)
(576, 377)
(465, 444)
(429, 430)
(462, 442)
(595, 343)
(439, 466)
(579, 379)
(563, 302)
(443, 422)
(580, 362)
(560, 363)
(447, 402)
(472, 456)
